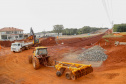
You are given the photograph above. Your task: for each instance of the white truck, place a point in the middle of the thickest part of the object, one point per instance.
(20, 46)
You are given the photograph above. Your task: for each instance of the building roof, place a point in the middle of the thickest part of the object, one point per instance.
(10, 29)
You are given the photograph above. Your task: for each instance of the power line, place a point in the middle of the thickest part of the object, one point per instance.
(104, 4)
(109, 10)
(112, 13)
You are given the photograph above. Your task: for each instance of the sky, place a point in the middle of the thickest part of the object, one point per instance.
(44, 14)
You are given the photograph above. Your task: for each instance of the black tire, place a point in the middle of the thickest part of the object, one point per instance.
(58, 73)
(36, 63)
(73, 77)
(27, 48)
(68, 75)
(30, 59)
(21, 50)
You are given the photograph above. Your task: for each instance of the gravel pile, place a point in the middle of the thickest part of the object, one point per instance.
(95, 53)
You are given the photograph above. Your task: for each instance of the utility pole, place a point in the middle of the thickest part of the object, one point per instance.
(112, 26)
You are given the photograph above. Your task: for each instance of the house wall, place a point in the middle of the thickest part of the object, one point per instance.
(0, 35)
(10, 34)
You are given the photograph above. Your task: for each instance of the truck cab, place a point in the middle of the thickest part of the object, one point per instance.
(16, 47)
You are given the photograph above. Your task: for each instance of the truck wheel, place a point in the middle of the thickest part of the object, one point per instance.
(30, 58)
(27, 48)
(20, 50)
(36, 63)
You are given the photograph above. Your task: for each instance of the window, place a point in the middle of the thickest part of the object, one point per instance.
(15, 32)
(20, 35)
(41, 51)
(16, 36)
(8, 32)
(9, 37)
(20, 32)
(4, 36)
(14, 44)
(3, 32)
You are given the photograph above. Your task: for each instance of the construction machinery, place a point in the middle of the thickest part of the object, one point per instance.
(19, 46)
(39, 57)
(33, 37)
(74, 70)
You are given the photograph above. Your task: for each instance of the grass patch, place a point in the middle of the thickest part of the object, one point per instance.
(111, 35)
(123, 33)
(84, 36)
(106, 40)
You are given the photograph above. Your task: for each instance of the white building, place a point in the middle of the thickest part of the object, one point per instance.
(11, 33)
(39, 35)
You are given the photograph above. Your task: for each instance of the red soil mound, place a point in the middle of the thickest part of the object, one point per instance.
(80, 42)
(5, 43)
(48, 42)
(116, 54)
(8, 43)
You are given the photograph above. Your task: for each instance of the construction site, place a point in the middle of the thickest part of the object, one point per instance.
(107, 61)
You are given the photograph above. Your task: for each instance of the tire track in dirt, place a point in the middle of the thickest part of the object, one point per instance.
(12, 66)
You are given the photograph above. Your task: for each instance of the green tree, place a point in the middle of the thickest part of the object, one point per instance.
(58, 28)
(119, 28)
(86, 29)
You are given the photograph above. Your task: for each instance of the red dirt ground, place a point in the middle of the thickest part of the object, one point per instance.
(73, 42)
(116, 54)
(14, 67)
(80, 42)
(5, 43)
